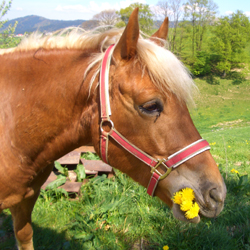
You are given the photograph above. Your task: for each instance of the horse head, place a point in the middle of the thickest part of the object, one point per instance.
(148, 92)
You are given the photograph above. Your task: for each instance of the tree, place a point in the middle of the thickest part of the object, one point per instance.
(107, 17)
(5, 37)
(172, 10)
(162, 10)
(3, 11)
(231, 35)
(145, 16)
(201, 14)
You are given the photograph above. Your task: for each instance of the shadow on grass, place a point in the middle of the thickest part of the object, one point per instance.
(44, 238)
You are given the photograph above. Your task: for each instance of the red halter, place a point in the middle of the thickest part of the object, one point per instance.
(166, 166)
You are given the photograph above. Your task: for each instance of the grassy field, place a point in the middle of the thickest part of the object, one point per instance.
(118, 214)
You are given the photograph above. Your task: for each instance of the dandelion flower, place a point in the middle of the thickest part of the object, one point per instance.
(185, 198)
(193, 211)
(186, 205)
(234, 171)
(177, 198)
(165, 247)
(188, 194)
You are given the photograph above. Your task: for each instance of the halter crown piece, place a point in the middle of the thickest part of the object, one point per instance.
(166, 166)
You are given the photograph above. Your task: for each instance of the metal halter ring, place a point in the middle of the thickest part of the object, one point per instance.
(109, 122)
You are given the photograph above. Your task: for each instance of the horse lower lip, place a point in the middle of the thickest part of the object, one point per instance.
(180, 215)
(211, 211)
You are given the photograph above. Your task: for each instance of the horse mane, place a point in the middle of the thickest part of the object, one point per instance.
(164, 68)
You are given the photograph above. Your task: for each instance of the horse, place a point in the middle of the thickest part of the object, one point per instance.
(123, 93)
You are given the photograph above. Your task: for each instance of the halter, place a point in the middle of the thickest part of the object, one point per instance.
(166, 166)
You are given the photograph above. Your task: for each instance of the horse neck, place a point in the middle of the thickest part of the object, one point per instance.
(52, 106)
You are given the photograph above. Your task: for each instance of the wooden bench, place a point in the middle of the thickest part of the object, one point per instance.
(71, 160)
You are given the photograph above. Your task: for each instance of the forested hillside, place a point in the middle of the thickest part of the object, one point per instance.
(37, 23)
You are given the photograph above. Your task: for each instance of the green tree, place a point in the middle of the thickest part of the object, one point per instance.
(231, 35)
(6, 39)
(173, 10)
(201, 14)
(145, 16)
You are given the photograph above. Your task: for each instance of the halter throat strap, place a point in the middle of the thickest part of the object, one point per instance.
(165, 165)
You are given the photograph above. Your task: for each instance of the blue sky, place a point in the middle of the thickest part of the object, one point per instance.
(82, 9)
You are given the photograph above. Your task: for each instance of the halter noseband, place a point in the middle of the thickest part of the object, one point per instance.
(166, 166)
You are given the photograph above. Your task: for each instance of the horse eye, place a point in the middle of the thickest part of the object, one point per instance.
(151, 108)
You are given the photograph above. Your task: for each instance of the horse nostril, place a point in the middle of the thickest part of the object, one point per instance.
(216, 195)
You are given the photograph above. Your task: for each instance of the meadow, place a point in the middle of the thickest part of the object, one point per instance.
(118, 214)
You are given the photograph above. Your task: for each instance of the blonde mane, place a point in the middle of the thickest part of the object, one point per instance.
(165, 70)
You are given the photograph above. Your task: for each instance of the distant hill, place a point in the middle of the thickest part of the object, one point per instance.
(34, 23)
(37, 23)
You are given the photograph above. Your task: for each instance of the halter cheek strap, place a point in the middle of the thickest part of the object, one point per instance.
(166, 166)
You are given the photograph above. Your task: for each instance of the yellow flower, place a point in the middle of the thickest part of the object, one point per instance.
(188, 194)
(185, 198)
(193, 211)
(234, 171)
(177, 198)
(166, 247)
(186, 205)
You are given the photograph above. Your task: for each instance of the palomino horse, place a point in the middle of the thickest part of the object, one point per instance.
(53, 100)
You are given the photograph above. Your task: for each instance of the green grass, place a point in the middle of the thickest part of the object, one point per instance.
(221, 106)
(118, 214)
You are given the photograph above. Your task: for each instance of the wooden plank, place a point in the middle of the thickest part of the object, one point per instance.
(96, 165)
(111, 174)
(85, 149)
(72, 176)
(91, 172)
(69, 186)
(70, 158)
(72, 187)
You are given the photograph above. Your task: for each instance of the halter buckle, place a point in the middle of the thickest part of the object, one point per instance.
(161, 162)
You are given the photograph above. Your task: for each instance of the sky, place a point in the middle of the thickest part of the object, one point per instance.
(85, 10)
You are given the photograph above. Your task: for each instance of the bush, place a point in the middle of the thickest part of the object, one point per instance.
(201, 64)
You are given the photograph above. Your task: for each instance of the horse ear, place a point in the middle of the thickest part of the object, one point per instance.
(126, 47)
(161, 33)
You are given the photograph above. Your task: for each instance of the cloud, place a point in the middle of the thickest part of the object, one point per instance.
(247, 13)
(229, 12)
(19, 9)
(126, 3)
(95, 7)
(69, 8)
